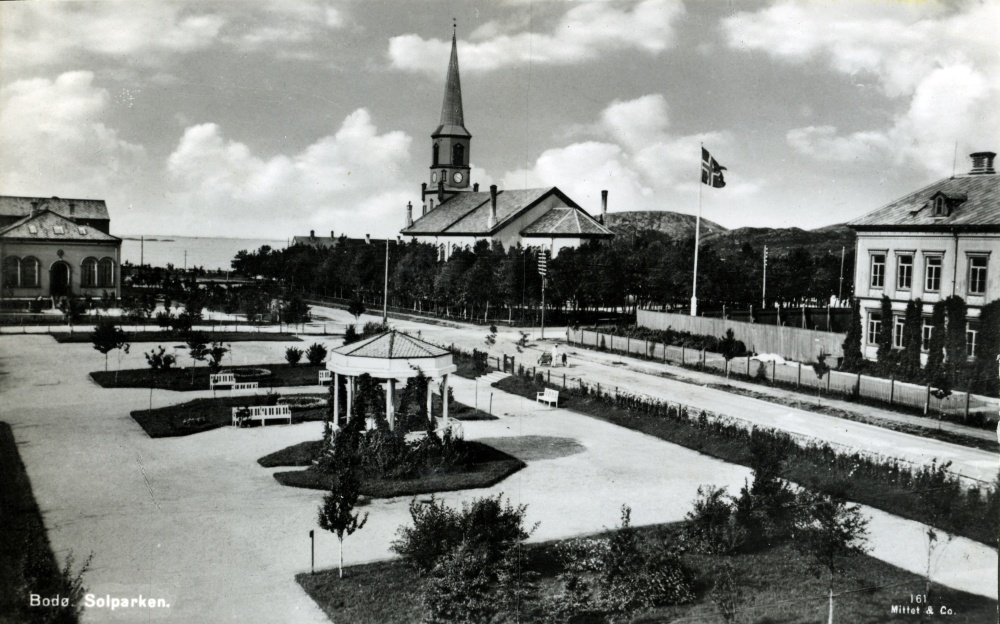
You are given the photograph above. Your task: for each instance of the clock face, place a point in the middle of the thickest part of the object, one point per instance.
(434, 177)
(458, 177)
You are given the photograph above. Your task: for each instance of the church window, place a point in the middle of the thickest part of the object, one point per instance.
(436, 154)
(29, 273)
(458, 154)
(11, 272)
(106, 273)
(88, 273)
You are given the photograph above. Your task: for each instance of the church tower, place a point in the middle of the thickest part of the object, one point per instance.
(449, 170)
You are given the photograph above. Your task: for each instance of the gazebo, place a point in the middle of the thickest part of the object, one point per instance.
(390, 356)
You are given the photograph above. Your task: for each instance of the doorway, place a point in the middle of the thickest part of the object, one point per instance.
(59, 280)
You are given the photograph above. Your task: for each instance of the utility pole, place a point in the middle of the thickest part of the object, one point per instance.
(763, 297)
(385, 294)
(543, 269)
(840, 293)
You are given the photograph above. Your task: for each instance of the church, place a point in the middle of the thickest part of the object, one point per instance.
(456, 214)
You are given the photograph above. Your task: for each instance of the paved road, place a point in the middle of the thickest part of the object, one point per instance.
(630, 374)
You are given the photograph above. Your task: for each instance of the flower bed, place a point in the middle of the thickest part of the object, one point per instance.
(245, 374)
(301, 403)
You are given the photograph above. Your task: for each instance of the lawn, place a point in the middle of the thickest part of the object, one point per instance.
(205, 414)
(26, 559)
(489, 466)
(776, 584)
(810, 468)
(183, 380)
(82, 335)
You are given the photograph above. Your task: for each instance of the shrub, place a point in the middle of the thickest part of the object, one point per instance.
(160, 359)
(351, 335)
(711, 526)
(316, 353)
(293, 355)
(766, 510)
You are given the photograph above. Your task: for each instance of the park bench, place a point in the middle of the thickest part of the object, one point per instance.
(221, 379)
(261, 413)
(325, 376)
(550, 396)
(245, 387)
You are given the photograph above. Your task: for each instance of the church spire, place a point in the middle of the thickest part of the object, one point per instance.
(452, 116)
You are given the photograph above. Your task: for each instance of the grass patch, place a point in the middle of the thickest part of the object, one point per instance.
(82, 335)
(776, 583)
(205, 414)
(489, 466)
(300, 454)
(882, 486)
(26, 560)
(184, 380)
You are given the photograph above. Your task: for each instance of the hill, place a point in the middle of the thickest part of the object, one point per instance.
(673, 224)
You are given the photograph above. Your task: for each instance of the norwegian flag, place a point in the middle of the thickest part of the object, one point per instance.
(711, 170)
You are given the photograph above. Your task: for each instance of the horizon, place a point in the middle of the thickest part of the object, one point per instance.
(245, 119)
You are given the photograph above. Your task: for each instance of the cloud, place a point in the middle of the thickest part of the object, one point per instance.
(290, 22)
(55, 141)
(584, 32)
(939, 63)
(633, 155)
(347, 181)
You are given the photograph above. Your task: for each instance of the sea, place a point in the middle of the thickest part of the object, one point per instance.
(190, 251)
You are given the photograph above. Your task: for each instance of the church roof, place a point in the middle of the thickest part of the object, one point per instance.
(975, 201)
(11, 206)
(452, 116)
(392, 345)
(49, 226)
(562, 222)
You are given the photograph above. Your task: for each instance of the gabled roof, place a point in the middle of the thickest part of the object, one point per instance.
(11, 206)
(392, 345)
(467, 214)
(566, 222)
(975, 204)
(45, 225)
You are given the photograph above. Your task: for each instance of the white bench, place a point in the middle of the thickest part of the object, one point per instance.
(245, 387)
(325, 376)
(550, 396)
(262, 413)
(221, 379)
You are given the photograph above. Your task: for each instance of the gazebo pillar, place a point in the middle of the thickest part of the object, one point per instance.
(350, 397)
(430, 396)
(444, 400)
(336, 400)
(390, 413)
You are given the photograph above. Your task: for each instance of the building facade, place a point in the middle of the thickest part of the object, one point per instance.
(52, 248)
(939, 241)
(456, 214)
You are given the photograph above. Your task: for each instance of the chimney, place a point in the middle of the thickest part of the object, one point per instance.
(604, 205)
(34, 208)
(368, 239)
(409, 214)
(982, 163)
(331, 235)
(72, 208)
(475, 187)
(492, 221)
(312, 234)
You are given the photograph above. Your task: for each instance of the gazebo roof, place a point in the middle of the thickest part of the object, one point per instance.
(391, 354)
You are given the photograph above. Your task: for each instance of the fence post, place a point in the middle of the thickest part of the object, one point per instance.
(564, 381)
(647, 349)
(927, 401)
(968, 394)
(549, 376)
(774, 370)
(683, 350)
(748, 365)
(858, 385)
(892, 388)
(828, 376)
(798, 380)
(628, 344)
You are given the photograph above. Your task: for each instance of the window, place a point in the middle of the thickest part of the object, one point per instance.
(32, 229)
(11, 272)
(88, 273)
(926, 329)
(878, 271)
(874, 327)
(932, 274)
(58, 229)
(458, 154)
(897, 331)
(977, 275)
(83, 230)
(106, 273)
(904, 272)
(940, 206)
(435, 156)
(971, 336)
(29, 273)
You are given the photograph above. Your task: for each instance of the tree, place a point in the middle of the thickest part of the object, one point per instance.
(884, 355)
(216, 353)
(822, 369)
(491, 338)
(316, 353)
(955, 347)
(107, 337)
(909, 359)
(197, 347)
(293, 355)
(935, 368)
(766, 509)
(351, 335)
(356, 308)
(730, 347)
(336, 514)
(853, 358)
(828, 531)
(296, 311)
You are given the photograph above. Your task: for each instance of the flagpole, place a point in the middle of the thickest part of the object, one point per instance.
(697, 237)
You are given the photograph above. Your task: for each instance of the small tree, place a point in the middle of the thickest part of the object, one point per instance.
(909, 360)
(336, 514)
(491, 338)
(935, 369)
(822, 369)
(853, 358)
(197, 347)
(730, 347)
(884, 355)
(316, 353)
(158, 360)
(828, 532)
(293, 355)
(107, 337)
(356, 308)
(351, 335)
(216, 353)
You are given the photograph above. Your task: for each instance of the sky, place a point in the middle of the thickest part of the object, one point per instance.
(271, 119)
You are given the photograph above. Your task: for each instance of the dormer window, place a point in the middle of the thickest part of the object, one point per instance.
(58, 229)
(32, 229)
(940, 206)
